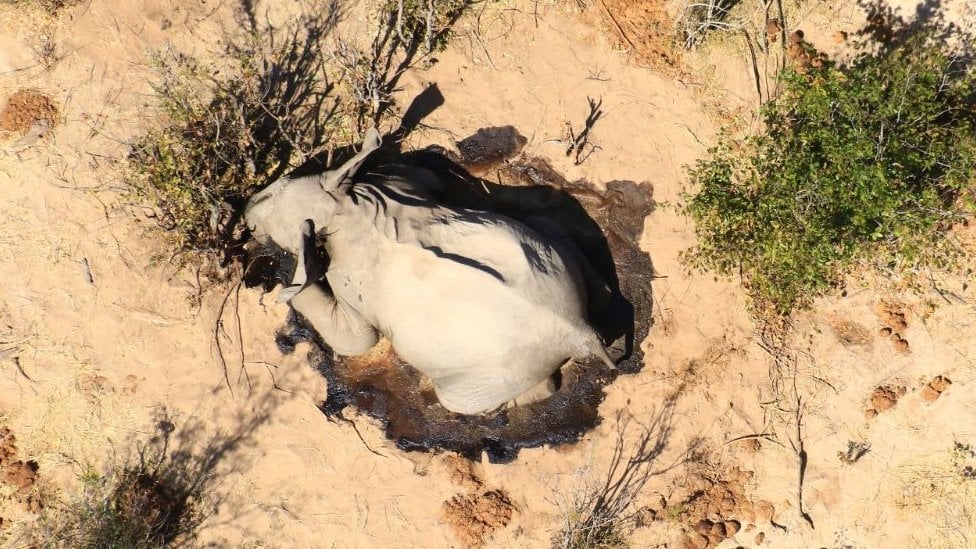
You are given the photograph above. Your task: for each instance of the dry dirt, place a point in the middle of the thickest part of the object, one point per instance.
(99, 331)
(25, 108)
(934, 389)
(474, 518)
(894, 324)
(643, 28)
(18, 478)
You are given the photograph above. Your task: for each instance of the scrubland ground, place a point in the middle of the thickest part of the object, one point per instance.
(857, 432)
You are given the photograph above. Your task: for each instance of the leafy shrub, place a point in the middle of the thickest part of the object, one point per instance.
(870, 161)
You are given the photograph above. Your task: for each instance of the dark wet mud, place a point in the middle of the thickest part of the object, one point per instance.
(604, 225)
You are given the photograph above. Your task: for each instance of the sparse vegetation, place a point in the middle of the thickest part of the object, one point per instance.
(227, 133)
(868, 162)
(409, 32)
(157, 493)
(855, 451)
(157, 497)
(964, 460)
(602, 513)
(286, 98)
(50, 6)
(699, 17)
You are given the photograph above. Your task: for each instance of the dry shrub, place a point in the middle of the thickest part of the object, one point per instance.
(157, 493)
(286, 97)
(50, 6)
(602, 513)
(228, 133)
(158, 497)
(699, 17)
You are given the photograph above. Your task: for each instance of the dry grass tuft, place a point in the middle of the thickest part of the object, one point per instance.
(603, 513)
(699, 17)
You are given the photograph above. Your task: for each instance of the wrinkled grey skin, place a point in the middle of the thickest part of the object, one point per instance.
(484, 305)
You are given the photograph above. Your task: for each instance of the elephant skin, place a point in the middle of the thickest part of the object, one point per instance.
(484, 305)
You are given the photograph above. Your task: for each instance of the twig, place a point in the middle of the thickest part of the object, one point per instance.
(619, 28)
(240, 334)
(755, 65)
(764, 436)
(801, 454)
(360, 435)
(693, 135)
(579, 143)
(218, 324)
(16, 361)
(782, 31)
(86, 270)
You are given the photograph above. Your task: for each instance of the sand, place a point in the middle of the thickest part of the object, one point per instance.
(100, 333)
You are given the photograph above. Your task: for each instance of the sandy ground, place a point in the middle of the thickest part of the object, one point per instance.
(100, 333)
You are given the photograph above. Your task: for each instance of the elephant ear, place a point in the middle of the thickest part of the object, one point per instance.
(333, 178)
(310, 268)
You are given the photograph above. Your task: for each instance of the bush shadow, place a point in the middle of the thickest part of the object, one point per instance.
(602, 512)
(157, 492)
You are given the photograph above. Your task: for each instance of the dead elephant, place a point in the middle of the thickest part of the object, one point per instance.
(486, 306)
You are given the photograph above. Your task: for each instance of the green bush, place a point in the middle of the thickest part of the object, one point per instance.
(872, 161)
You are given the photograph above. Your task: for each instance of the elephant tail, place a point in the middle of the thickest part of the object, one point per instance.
(592, 347)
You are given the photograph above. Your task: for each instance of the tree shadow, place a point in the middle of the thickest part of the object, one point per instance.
(890, 29)
(603, 511)
(406, 36)
(158, 492)
(285, 100)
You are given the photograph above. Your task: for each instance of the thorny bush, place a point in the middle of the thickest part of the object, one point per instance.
(275, 106)
(228, 132)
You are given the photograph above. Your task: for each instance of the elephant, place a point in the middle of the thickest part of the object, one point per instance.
(486, 306)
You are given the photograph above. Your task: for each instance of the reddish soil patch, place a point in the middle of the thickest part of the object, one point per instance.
(715, 509)
(934, 389)
(802, 54)
(25, 108)
(476, 517)
(884, 398)
(643, 27)
(463, 472)
(21, 475)
(894, 323)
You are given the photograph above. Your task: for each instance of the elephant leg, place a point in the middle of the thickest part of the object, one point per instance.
(339, 325)
(475, 393)
(545, 389)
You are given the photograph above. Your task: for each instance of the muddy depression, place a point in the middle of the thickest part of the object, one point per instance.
(487, 172)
